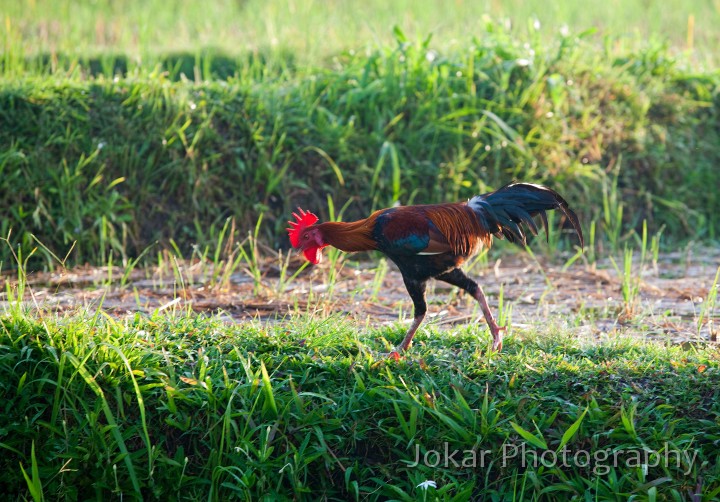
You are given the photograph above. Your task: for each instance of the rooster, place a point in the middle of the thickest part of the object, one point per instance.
(433, 241)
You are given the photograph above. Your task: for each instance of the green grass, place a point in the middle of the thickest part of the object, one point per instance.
(112, 166)
(124, 126)
(187, 407)
(142, 30)
(143, 133)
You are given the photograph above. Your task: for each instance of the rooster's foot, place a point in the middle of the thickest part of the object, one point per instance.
(395, 355)
(497, 334)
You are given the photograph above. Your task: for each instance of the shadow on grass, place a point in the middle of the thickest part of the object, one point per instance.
(206, 63)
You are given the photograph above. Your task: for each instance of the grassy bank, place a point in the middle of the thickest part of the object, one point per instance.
(116, 164)
(177, 407)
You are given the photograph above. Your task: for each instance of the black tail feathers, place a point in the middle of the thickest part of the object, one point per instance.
(506, 209)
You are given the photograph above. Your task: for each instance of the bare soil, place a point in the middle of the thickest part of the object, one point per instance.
(673, 302)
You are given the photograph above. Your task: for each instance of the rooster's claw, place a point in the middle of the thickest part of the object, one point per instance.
(394, 355)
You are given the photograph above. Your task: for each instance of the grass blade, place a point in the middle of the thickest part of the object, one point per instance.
(536, 441)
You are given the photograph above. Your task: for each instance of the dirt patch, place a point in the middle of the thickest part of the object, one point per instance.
(672, 302)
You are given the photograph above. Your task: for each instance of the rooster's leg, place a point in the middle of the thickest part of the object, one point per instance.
(417, 293)
(495, 329)
(407, 341)
(457, 277)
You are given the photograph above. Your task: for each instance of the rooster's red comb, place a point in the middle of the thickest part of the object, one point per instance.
(303, 220)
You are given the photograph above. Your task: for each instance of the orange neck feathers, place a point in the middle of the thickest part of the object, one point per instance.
(349, 237)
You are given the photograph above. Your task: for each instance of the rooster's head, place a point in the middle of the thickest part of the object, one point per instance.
(305, 236)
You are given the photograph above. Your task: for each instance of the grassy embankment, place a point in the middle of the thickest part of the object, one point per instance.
(186, 407)
(115, 164)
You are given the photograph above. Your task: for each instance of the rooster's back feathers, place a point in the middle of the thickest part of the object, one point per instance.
(461, 228)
